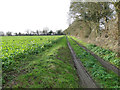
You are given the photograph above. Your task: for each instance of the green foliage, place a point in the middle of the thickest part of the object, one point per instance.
(117, 6)
(107, 55)
(59, 32)
(46, 70)
(107, 79)
(16, 48)
(90, 11)
(50, 32)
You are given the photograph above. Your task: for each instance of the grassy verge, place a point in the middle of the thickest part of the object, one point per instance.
(107, 79)
(50, 69)
(107, 55)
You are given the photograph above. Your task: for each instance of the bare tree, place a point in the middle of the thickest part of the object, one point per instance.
(32, 32)
(40, 32)
(1, 33)
(9, 33)
(37, 32)
(45, 30)
(27, 32)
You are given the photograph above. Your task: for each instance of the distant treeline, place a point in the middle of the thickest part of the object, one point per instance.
(32, 33)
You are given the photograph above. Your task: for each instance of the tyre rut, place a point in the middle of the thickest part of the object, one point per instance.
(85, 79)
(104, 63)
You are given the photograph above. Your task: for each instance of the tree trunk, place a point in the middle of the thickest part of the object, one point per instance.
(106, 23)
(118, 34)
(97, 29)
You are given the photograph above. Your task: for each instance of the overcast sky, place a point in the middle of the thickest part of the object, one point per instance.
(20, 15)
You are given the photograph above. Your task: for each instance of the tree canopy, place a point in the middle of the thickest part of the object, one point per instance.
(91, 11)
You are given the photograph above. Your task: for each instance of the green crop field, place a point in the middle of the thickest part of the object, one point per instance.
(46, 62)
(34, 62)
(17, 47)
(59, 44)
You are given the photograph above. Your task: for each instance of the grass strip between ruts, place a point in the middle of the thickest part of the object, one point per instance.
(107, 79)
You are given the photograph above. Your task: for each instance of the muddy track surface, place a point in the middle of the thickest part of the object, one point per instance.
(104, 63)
(85, 79)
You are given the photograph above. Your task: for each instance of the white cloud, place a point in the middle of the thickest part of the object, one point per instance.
(20, 15)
